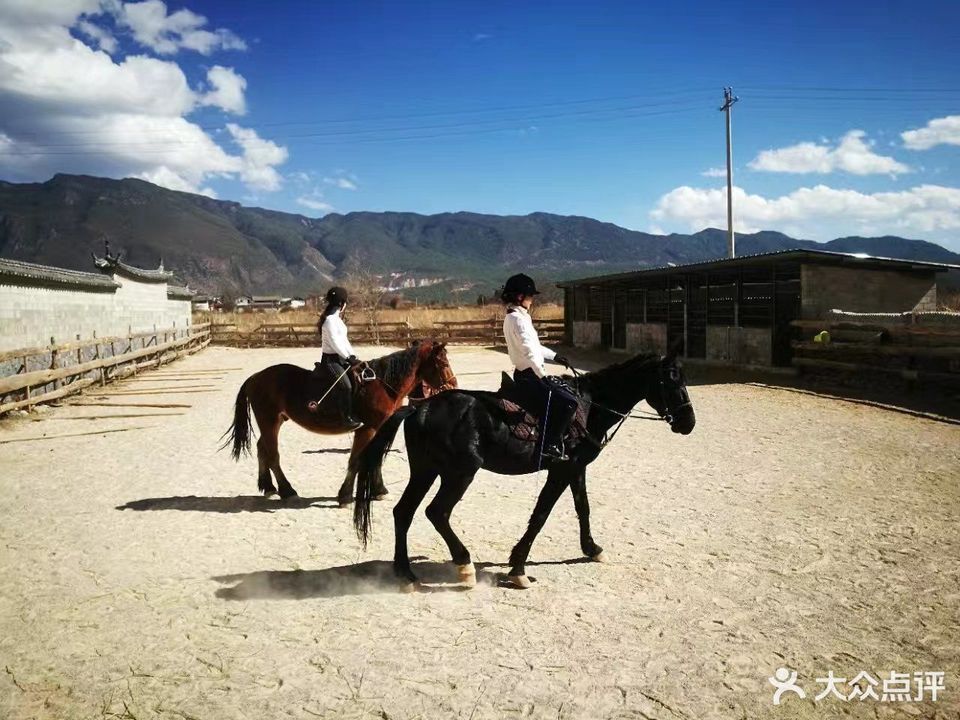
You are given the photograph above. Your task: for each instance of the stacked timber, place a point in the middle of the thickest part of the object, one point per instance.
(921, 348)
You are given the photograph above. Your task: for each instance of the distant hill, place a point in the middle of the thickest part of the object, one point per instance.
(217, 245)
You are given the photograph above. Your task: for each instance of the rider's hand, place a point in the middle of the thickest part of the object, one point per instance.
(561, 360)
(353, 360)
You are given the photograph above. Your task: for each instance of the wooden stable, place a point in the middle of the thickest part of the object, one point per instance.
(739, 311)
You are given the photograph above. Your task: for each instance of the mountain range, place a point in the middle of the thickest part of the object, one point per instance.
(220, 246)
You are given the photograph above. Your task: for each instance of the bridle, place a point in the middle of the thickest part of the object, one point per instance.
(668, 416)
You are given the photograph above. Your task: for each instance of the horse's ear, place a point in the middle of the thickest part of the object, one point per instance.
(414, 343)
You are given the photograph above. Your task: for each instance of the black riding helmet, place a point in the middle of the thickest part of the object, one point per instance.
(337, 296)
(519, 284)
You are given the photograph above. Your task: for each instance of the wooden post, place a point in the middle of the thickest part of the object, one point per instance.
(130, 346)
(25, 369)
(54, 354)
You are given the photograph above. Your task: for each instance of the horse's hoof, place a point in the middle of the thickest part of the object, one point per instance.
(287, 496)
(345, 501)
(520, 581)
(381, 496)
(599, 557)
(467, 574)
(408, 587)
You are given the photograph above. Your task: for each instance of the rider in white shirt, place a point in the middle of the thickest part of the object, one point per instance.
(539, 396)
(338, 354)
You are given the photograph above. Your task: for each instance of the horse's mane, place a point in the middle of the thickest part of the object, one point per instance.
(394, 368)
(613, 373)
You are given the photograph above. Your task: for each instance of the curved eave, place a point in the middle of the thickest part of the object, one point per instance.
(175, 292)
(33, 275)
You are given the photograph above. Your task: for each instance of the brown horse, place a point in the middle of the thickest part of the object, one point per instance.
(287, 392)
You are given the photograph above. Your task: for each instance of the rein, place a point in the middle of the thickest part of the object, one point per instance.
(633, 414)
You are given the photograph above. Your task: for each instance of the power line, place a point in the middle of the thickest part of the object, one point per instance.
(511, 124)
(443, 113)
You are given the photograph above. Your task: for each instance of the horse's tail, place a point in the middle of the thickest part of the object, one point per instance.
(370, 464)
(239, 431)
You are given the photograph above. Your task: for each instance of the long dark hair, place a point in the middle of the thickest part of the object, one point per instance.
(330, 309)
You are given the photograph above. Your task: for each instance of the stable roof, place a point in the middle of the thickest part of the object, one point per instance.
(821, 257)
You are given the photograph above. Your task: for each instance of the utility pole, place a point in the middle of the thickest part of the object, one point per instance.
(728, 100)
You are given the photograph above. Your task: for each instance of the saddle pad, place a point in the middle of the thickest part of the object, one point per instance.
(524, 426)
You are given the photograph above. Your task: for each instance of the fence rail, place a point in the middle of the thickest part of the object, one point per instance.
(465, 332)
(921, 351)
(30, 376)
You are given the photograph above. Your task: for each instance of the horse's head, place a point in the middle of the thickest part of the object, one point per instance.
(435, 369)
(668, 395)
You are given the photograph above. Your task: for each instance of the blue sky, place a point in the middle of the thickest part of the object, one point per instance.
(848, 122)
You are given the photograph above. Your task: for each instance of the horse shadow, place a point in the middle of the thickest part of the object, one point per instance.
(363, 578)
(224, 504)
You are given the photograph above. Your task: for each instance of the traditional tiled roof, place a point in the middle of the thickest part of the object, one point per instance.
(61, 277)
(115, 265)
(177, 292)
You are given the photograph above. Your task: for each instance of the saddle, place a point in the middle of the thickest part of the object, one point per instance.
(323, 379)
(525, 426)
(358, 374)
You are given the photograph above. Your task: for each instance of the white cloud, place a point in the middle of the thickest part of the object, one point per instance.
(818, 212)
(259, 158)
(68, 107)
(341, 182)
(227, 91)
(942, 131)
(165, 33)
(102, 37)
(714, 172)
(853, 154)
(315, 201)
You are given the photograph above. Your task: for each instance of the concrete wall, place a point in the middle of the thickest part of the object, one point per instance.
(30, 315)
(586, 334)
(739, 345)
(863, 290)
(647, 337)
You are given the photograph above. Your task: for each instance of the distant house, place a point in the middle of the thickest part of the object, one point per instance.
(265, 302)
(294, 303)
(242, 303)
(206, 303)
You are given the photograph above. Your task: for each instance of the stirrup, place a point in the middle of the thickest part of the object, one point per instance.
(555, 452)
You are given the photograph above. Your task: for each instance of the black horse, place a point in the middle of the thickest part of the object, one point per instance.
(458, 432)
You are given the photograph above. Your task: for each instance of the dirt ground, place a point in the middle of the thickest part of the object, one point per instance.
(142, 578)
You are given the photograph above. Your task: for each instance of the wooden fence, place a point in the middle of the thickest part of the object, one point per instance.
(922, 350)
(462, 332)
(41, 374)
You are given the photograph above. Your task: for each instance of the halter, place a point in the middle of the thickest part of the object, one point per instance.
(641, 414)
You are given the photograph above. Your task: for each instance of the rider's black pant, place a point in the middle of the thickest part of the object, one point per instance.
(535, 392)
(335, 365)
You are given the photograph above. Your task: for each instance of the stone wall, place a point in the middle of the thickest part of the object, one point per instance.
(647, 337)
(740, 345)
(586, 334)
(864, 290)
(30, 315)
